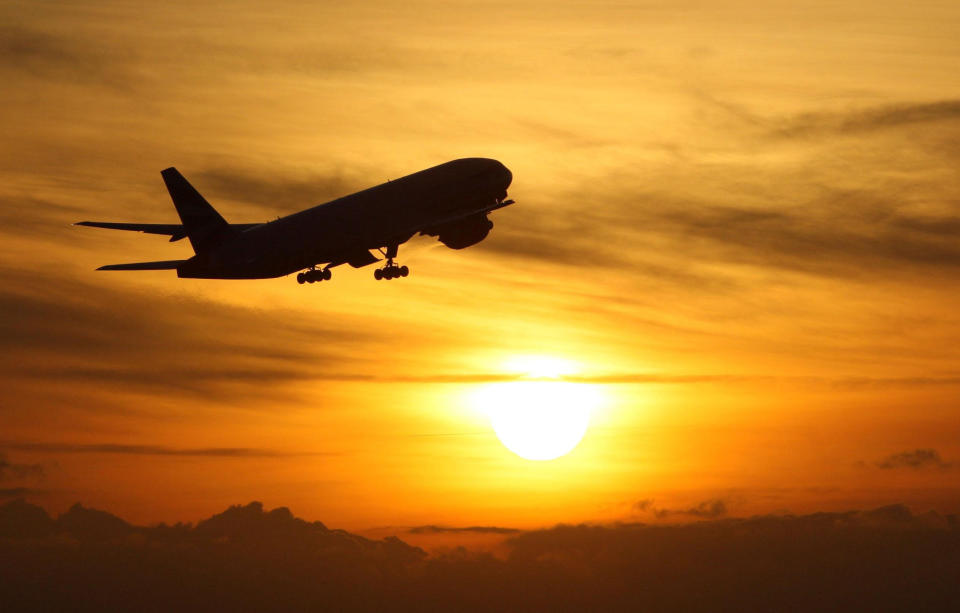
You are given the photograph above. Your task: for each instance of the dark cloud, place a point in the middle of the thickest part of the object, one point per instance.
(434, 529)
(69, 57)
(158, 450)
(846, 234)
(643, 505)
(11, 471)
(870, 119)
(36, 218)
(836, 233)
(708, 509)
(886, 208)
(249, 558)
(108, 338)
(17, 492)
(916, 459)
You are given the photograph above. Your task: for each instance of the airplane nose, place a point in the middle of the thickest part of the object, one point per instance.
(507, 176)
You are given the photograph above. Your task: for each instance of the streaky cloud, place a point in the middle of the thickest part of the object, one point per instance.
(435, 529)
(156, 450)
(870, 119)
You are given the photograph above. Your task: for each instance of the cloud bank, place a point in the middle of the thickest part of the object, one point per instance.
(251, 559)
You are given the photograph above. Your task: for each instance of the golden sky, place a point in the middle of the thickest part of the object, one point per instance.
(739, 218)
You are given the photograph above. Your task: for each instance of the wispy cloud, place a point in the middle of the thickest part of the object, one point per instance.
(435, 529)
(156, 342)
(870, 119)
(72, 58)
(156, 450)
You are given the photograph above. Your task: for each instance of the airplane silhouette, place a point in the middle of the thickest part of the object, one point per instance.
(450, 201)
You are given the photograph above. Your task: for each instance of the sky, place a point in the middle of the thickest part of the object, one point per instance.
(738, 219)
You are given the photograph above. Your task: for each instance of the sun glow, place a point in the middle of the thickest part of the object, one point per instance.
(539, 417)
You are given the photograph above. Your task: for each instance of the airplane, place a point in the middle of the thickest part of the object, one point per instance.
(450, 201)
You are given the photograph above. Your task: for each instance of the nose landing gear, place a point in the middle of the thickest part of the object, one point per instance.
(314, 276)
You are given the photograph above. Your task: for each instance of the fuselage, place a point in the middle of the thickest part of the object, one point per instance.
(331, 233)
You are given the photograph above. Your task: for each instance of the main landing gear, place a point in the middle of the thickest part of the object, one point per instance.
(314, 276)
(391, 270)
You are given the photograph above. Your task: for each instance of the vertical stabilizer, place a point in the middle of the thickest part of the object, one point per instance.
(203, 224)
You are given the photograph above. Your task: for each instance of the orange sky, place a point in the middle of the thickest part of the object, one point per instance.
(740, 219)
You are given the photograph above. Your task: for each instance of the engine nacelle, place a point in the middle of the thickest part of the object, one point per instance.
(463, 233)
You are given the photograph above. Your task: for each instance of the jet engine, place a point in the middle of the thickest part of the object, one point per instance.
(463, 233)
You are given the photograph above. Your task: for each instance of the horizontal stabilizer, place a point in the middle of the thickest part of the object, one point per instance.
(174, 230)
(164, 265)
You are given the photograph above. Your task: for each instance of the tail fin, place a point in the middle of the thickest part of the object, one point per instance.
(203, 224)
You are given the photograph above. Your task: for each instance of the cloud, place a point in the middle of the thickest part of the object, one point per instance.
(44, 53)
(257, 559)
(17, 492)
(839, 232)
(870, 119)
(643, 505)
(707, 509)
(886, 206)
(434, 529)
(157, 450)
(35, 218)
(916, 459)
(59, 329)
(10, 471)
(842, 234)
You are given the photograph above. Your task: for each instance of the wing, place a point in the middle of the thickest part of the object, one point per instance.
(174, 230)
(164, 265)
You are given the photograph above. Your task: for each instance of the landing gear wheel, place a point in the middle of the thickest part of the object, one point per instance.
(314, 275)
(390, 269)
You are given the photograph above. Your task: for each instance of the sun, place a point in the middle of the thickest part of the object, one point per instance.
(539, 417)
